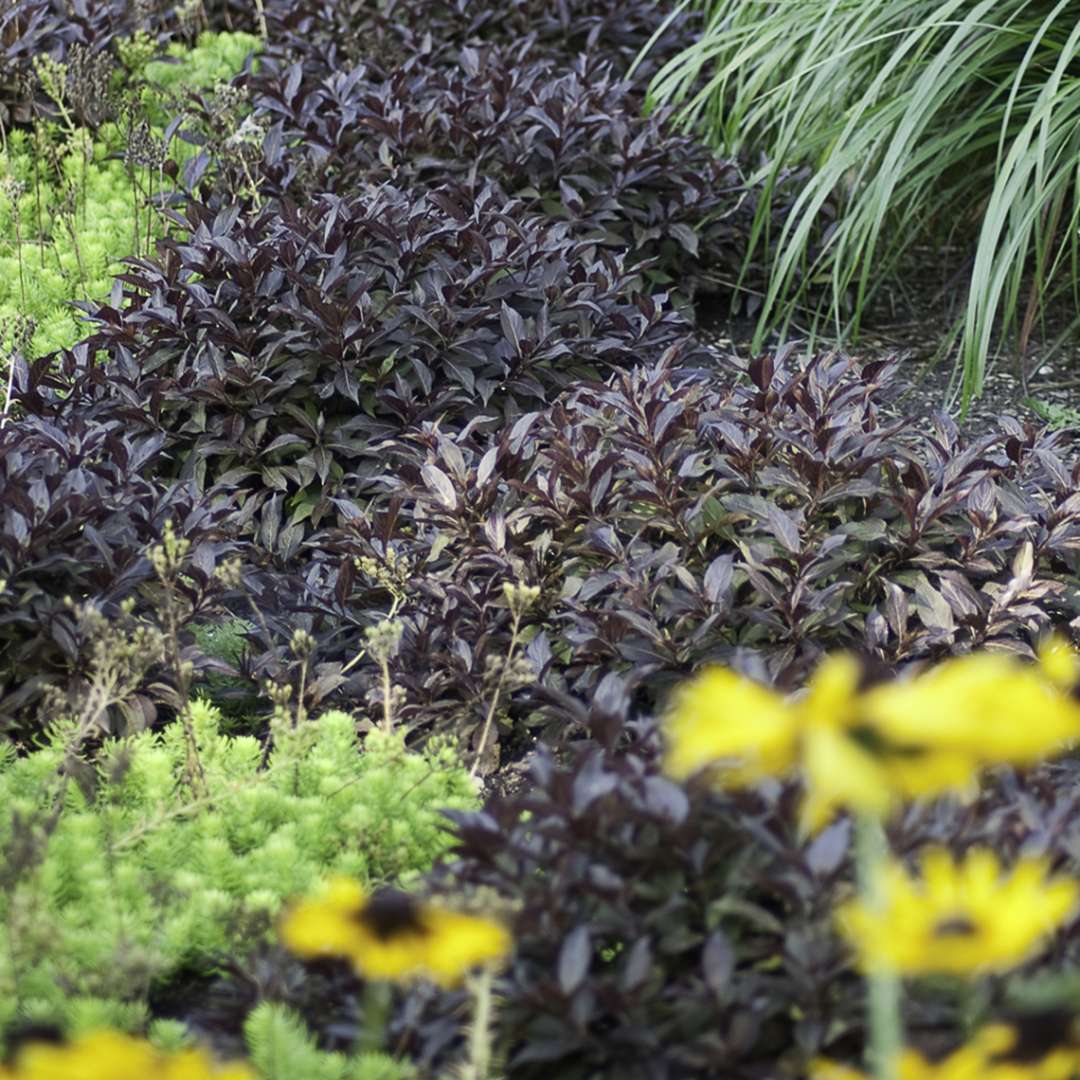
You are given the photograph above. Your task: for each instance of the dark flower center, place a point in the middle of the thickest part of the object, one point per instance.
(955, 926)
(392, 913)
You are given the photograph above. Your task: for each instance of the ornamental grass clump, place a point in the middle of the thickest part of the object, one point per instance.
(933, 121)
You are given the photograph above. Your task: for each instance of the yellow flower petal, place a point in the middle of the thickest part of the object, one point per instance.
(393, 936)
(459, 943)
(991, 707)
(721, 717)
(839, 774)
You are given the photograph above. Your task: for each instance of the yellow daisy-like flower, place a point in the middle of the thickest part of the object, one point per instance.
(991, 707)
(746, 731)
(849, 763)
(99, 1055)
(722, 719)
(112, 1055)
(986, 1057)
(391, 935)
(960, 918)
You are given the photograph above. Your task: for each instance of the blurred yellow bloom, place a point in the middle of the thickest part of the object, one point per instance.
(746, 731)
(722, 719)
(111, 1055)
(392, 935)
(993, 707)
(960, 918)
(985, 1057)
(866, 750)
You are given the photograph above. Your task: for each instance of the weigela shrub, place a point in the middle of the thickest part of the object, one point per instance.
(670, 520)
(567, 140)
(275, 350)
(140, 880)
(611, 30)
(80, 506)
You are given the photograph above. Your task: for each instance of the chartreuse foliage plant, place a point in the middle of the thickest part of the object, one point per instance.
(870, 750)
(133, 877)
(921, 120)
(75, 202)
(282, 1048)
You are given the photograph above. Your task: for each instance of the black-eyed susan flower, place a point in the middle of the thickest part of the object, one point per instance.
(846, 763)
(991, 707)
(992, 1053)
(391, 935)
(112, 1055)
(744, 731)
(958, 917)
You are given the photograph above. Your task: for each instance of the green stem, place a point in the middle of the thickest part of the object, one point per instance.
(378, 997)
(884, 1028)
(478, 1066)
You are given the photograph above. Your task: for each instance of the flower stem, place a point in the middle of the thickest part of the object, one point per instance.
(377, 999)
(478, 1066)
(884, 1033)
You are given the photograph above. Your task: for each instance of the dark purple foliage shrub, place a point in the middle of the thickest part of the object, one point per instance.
(671, 519)
(334, 35)
(567, 141)
(79, 507)
(274, 351)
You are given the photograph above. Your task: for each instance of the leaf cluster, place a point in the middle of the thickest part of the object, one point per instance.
(332, 35)
(81, 505)
(567, 141)
(275, 351)
(671, 520)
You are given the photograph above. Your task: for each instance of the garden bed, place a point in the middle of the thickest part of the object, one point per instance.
(365, 519)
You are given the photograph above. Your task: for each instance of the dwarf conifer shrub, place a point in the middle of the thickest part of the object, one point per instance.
(114, 886)
(282, 1048)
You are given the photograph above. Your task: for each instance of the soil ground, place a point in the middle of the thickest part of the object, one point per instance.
(915, 325)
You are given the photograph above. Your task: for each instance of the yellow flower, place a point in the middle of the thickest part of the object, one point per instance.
(99, 1055)
(991, 707)
(722, 719)
(960, 918)
(112, 1055)
(392, 935)
(985, 1057)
